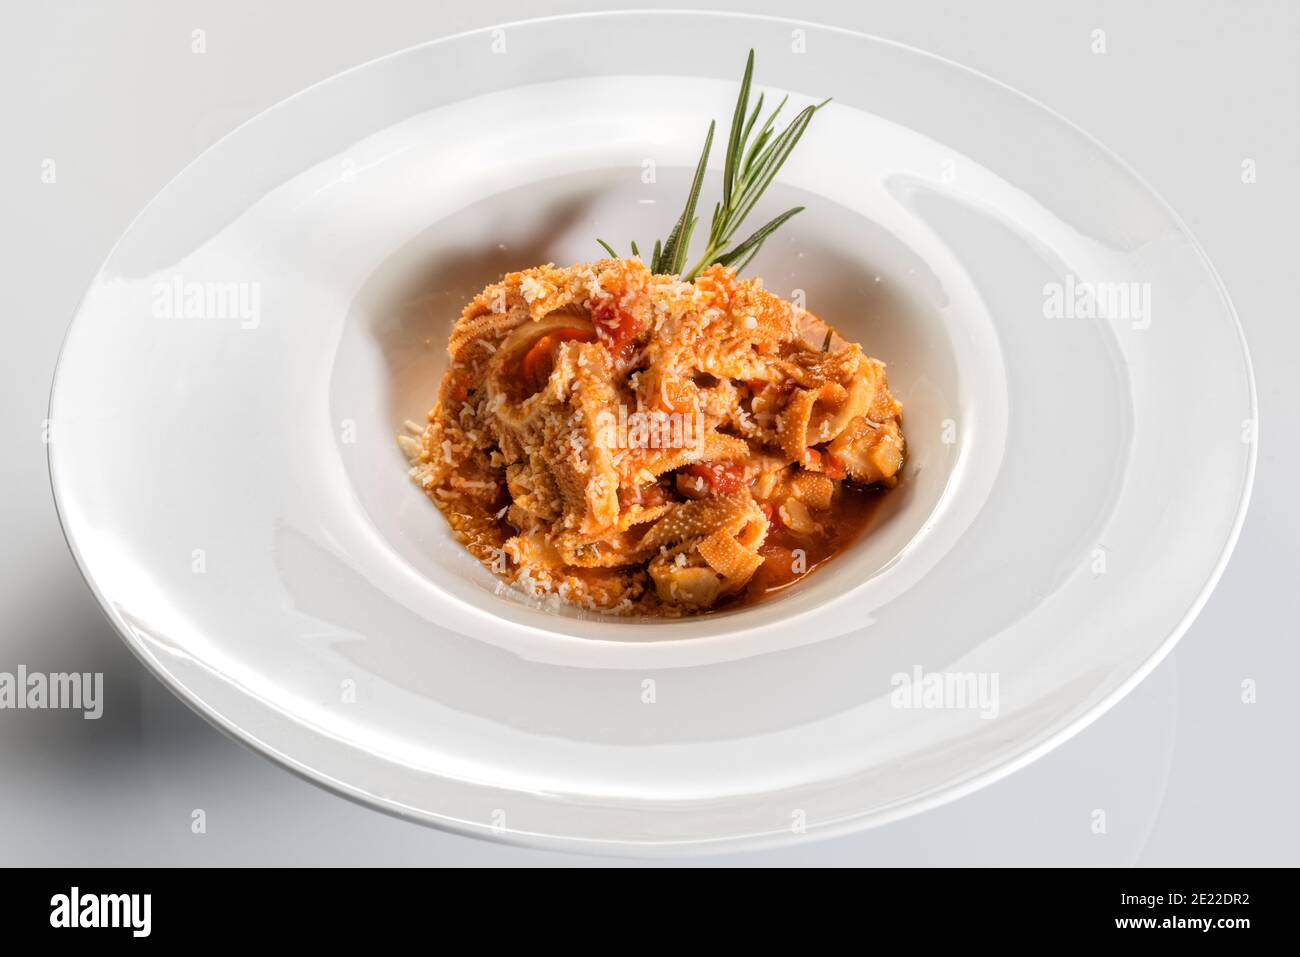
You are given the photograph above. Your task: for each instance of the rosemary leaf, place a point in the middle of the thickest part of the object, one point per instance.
(753, 118)
(734, 142)
(745, 262)
(767, 165)
(751, 163)
(744, 252)
(684, 245)
(671, 255)
(764, 132)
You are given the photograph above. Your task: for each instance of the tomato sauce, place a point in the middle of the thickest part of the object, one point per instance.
(848, 517)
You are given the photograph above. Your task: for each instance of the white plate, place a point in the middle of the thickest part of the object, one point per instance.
(228, 481)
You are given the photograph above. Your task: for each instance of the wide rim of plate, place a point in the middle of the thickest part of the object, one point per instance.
(917, 804)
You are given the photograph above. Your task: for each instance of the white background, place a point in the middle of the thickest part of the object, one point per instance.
(1185, 771)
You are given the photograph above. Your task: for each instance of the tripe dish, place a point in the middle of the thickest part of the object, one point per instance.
(641, 438)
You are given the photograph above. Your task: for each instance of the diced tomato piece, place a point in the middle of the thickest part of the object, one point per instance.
(616, 327)
(538, 361)
(816, 460)
(674, 396)
(723, 478)
(832, 467)
(703, 471)
(534, 357)
(729, 482)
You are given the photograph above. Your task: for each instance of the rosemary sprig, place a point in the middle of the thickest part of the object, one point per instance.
(748, 170)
